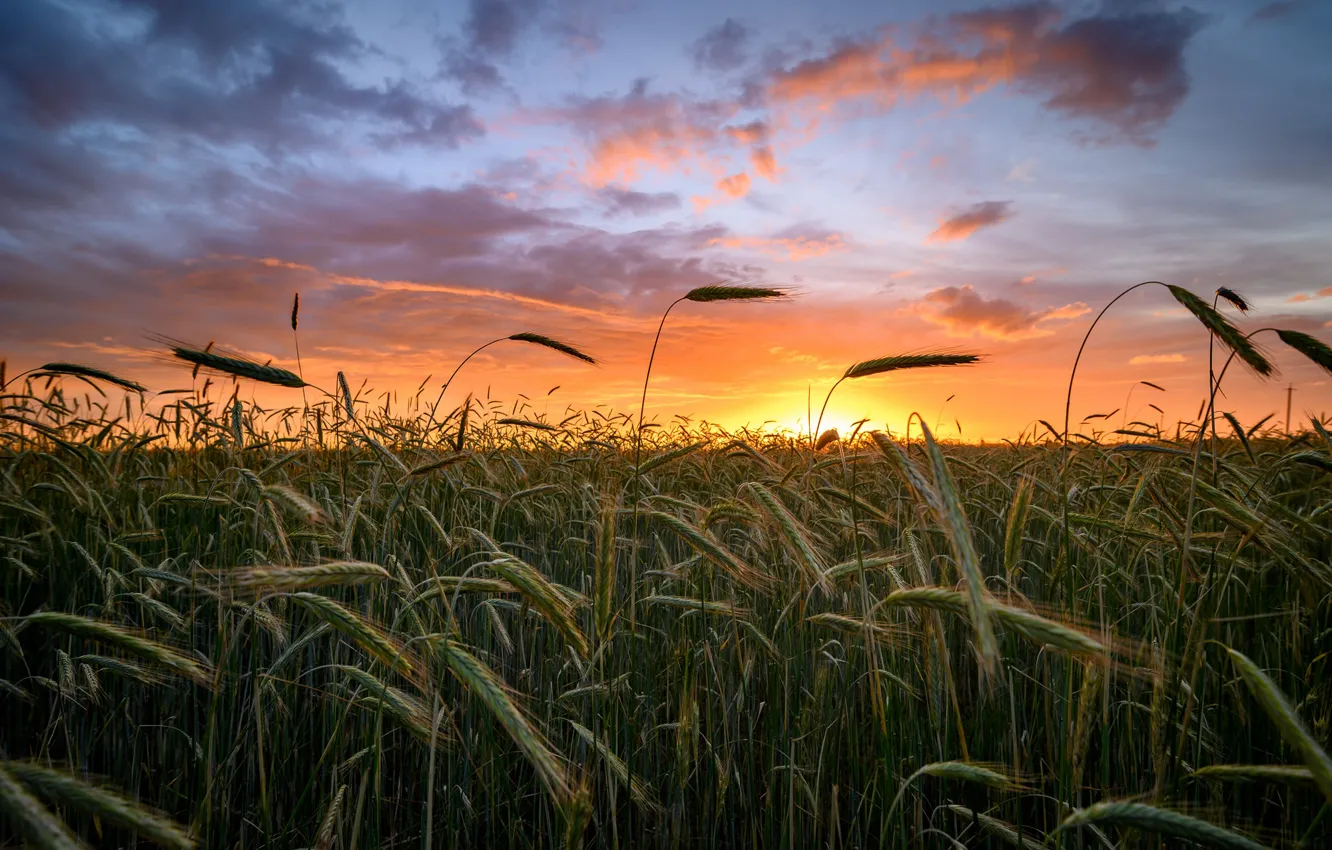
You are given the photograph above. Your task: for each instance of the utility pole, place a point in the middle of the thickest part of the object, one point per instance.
(1290, 390)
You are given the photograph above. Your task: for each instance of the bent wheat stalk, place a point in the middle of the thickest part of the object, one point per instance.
(1160, 821)
(1288, 723)
(70, 791)
(526, 336)
(892, 363)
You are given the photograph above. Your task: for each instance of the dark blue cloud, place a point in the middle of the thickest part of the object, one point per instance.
(1278, 9)
(618, 202)
(245, 71)
(722, 48)
(489, 35)
(1126, 69)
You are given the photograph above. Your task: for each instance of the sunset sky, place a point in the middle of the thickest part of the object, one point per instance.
(433, 175)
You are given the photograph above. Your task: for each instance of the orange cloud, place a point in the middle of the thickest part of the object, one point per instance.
(961, 311)
(968, 221)
(792, 248)
(629, 136)
(1300, 297)
(625, 156)
(735, 186)
(753, 133)
(1126, 71)
(765, 164)
(1144, 359)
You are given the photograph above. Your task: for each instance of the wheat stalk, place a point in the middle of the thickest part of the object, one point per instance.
(443, 461)
(233, 364)
(1314, 349)
(106, 805)
(894, 363)
(712, 549)
(76, 370)
(699, 295)
(826, 439)
(528, 337)
(973, 772)
(490, 691)
(707, 606)
(1159, 821)
(130, 642)
(1229, 335)
(401, 706)
(639, 791)
(897, 362)
(1288, 723)
(296, 504)
(1251, 772)
(603, 583)
(440, 585)
(1234, 298)
(553, 344)
(543, 596)
(668, 456)
(795, 535)
(954, 521)
(1005, 832)
(284, 579)
(526, 423)
(361, 631)
(729, 292)
(38, 826)
(325, 835)
(1036, 628)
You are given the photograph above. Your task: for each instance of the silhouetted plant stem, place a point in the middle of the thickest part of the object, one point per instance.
(535, 339)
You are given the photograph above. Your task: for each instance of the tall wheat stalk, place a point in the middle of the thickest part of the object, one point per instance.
(526, 336)
(296, 340)
(893, 363)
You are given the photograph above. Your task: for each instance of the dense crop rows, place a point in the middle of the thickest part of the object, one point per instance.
(335, 625)
(486, 654)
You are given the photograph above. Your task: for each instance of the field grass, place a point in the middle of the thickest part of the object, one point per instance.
(344, 626)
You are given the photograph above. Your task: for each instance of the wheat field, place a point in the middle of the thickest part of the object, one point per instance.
(340, 625)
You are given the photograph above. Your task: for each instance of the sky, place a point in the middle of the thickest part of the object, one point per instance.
(921, 176)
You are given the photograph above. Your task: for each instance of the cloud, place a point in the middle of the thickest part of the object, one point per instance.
(722, 48)
(735, 185)
(1121, 69)
(616, 201)
(1301, 297)
(489, 34)
(493, 26)
(475, 74)
(1278, 9)
(1146, 359)
(1022, 172)
(248, 72)
(756, 135)
(961, 225)
(961, 311)
(764, 162)
(396, 268)
(628, 136)
(577, 24)
(794, 244)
